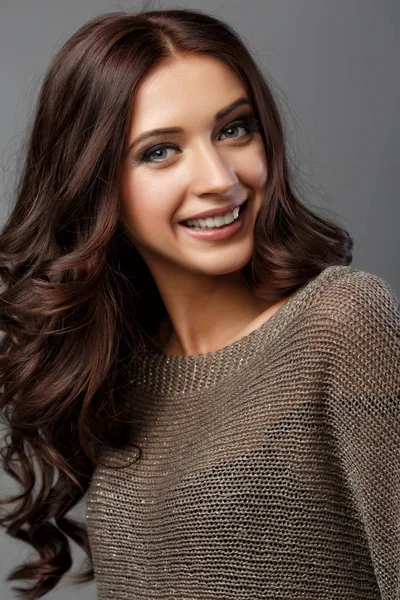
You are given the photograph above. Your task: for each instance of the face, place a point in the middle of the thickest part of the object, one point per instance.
(206, 164)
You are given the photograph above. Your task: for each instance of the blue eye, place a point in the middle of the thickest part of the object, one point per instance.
(248, 123)
(152, 151)
(237, 125)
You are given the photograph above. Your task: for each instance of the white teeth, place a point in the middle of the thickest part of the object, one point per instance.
(228, 218)
(212, 222)
(219, 221)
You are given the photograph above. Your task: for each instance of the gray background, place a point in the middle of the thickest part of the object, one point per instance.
(332, 66)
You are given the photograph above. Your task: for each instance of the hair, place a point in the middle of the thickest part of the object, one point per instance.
(78, 302)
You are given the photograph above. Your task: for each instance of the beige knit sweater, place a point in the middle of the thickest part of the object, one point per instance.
(270, 468)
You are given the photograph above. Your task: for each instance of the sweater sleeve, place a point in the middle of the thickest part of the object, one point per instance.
(364, 404)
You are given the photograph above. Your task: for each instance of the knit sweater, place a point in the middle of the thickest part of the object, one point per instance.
(269, 468)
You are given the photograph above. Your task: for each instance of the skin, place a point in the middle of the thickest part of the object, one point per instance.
(208, 165)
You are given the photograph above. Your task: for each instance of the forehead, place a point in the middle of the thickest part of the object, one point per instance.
(184, 87)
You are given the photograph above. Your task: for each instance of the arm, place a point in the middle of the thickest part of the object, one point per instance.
(365, 410)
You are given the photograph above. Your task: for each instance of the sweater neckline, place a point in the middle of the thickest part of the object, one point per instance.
(170, 374)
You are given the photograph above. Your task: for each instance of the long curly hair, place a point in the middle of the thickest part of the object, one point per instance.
(78, 303)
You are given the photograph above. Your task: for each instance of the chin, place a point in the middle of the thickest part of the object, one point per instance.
(221, 267)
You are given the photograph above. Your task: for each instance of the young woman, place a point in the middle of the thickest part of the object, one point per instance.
(186, 342)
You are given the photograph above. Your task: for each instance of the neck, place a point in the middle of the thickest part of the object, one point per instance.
(212, 321)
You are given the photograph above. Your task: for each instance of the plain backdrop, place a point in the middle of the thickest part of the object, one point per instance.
(333, 66)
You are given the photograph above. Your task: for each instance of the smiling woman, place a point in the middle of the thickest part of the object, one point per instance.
(217, 164)
(185, 341)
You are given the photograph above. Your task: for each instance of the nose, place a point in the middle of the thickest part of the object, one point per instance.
(212, 174)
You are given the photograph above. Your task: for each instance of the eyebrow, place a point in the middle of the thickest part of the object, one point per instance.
(164, 130)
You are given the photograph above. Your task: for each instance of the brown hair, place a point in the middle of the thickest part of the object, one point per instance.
(78, 301)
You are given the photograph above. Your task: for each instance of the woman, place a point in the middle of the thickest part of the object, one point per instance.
(186, 342)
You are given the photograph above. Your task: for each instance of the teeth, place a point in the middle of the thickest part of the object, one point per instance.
(212, 222)
(229, 218)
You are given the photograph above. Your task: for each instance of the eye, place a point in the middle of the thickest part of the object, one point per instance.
(233, 127)
(152, 151)
(237, 126)
(248, 123)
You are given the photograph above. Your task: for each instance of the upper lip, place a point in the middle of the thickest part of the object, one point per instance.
(217, 211)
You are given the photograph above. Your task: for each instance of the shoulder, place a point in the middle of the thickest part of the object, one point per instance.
(356, 299)
(359, 318)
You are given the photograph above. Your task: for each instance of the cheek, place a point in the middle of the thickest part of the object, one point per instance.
(145, 204)
(260, 173)
(258, 169)
(253, 168)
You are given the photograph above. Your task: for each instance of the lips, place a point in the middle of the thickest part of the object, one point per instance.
(217, 211)
(220, 234)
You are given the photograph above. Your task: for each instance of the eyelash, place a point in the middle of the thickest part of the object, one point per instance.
(250, 123)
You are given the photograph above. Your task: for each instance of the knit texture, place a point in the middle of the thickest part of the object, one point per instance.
(270, 468)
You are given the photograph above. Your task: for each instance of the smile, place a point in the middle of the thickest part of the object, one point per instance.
(217, 228)
(212, 222)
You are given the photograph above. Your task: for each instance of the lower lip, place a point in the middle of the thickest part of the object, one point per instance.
(220, 233)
